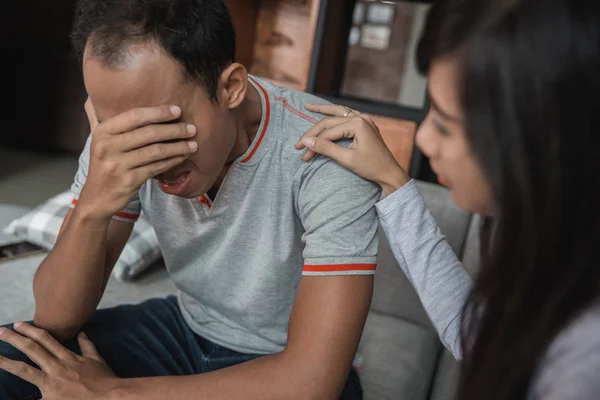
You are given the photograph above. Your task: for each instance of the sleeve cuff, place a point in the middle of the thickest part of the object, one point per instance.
(122, 216)
(331, 269)
(397, 199)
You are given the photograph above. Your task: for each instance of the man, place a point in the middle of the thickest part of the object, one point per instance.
(273, 257)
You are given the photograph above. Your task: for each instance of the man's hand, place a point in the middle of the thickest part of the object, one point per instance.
(63, 375)
(129, 149)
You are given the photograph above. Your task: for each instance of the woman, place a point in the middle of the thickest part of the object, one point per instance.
(514, 132)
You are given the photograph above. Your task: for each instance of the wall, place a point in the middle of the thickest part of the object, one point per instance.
(48, 84)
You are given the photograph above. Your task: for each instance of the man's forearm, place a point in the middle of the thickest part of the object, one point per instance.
(269, 377)
(68, 285)
(326, 322)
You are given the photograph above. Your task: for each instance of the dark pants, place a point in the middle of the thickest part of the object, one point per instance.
(149, 339)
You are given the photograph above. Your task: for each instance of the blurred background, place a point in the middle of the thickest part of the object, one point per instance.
(359, 53)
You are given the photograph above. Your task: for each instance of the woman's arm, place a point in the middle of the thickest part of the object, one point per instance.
(420, 248)
(427, 260)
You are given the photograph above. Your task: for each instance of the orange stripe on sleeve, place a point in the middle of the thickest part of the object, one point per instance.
(340, 267)
(133, 217)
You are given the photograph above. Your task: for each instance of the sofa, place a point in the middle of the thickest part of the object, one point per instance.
(400, 355)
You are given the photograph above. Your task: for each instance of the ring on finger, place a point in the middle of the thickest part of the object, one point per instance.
(348, 111)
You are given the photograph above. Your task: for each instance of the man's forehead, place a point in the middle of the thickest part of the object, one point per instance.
(147, 60)
(123, 54)
(146, 79)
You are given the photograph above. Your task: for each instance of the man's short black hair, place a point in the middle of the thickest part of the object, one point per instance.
(198, 34)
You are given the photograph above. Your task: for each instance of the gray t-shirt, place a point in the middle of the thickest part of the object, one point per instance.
(238, 259)
(570, 369)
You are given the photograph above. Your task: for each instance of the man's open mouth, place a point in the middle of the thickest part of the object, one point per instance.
(174, 184)
(177, 181)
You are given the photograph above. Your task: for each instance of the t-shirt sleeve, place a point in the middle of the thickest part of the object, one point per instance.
(336, 209)
(129, 214)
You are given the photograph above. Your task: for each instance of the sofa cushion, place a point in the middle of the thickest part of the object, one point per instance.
(393, 294)
(7, 214)
(445, 384)
(396, 359)
(16, 279)
(16, 289)
(42, 224)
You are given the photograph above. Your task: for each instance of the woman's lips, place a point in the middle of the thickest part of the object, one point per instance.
(442, 180)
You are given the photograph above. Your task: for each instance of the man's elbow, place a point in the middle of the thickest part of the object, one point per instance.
(59, 320)
(318, 389)
(307, 382)
(61, 327)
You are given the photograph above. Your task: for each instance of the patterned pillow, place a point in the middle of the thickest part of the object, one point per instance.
(41, 225)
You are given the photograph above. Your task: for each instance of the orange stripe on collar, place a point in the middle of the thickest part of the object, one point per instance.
(266, 125)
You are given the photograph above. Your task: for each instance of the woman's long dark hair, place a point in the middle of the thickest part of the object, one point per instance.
(530, 92)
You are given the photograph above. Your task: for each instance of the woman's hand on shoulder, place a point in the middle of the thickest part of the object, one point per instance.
(367, 155)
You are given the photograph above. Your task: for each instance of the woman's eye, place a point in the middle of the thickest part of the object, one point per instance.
(442, 130)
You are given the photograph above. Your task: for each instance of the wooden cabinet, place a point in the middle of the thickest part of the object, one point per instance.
(399, 136)
(275, 38)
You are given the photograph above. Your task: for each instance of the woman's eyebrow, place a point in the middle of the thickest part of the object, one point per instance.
(442, 113)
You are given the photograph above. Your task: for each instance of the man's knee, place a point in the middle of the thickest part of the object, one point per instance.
(352, 388)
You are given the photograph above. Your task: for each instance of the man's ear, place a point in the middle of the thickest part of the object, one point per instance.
(234, 83)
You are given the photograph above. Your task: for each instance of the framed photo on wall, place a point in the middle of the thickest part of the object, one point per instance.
(380, 59)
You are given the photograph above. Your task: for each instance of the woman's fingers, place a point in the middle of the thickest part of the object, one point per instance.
(342, 123)
(351, 129)
(323, 125)
(323, 144)
(327, 148)
(331, 109)
(368, 155)
(346, 131)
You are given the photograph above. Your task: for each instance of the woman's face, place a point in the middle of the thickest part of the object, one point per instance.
(442, 139)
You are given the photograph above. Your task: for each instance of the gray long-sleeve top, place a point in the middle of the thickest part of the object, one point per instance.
(571, 367)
